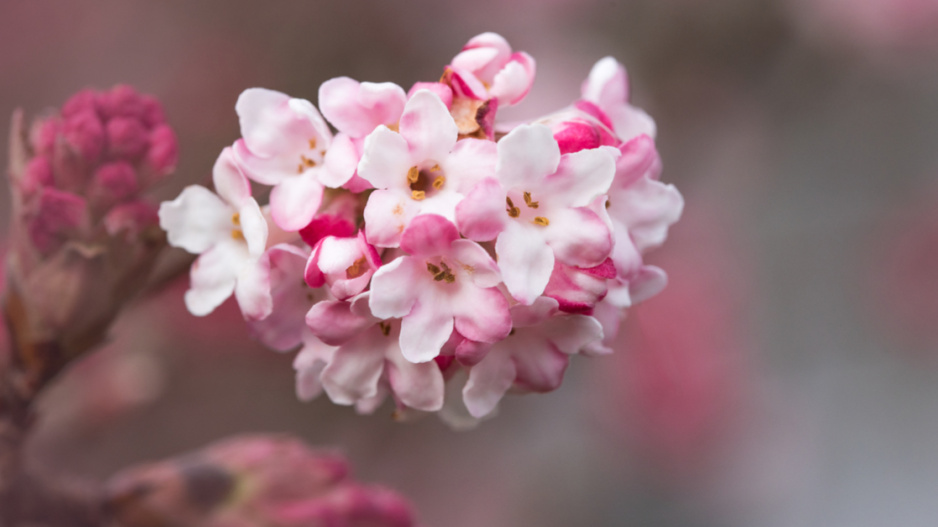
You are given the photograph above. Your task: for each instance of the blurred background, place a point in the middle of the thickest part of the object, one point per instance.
(788, 376)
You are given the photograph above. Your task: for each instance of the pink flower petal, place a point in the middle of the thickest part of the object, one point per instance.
(355, 370)
(340, 162)
(213, 276)
(513, 82)
(476, 262)
(607, 84)
(295, 200)
(419, 386)
(357, 108)
(335, 322)
(471, 161)
(578, 237)
(252, 290)
(424, 330)
(309, 364)
(525, 260)
(394, 288)
(580, 178)
(488, 381)
(571, 333)
(253, 227)
(385, 159)
(481, 214)
(648, 208)
(428, 235)
(428, 127)
(526, 156)
(196, 219)
(482, 315)
(386, 216)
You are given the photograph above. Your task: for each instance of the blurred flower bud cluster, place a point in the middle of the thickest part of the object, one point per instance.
(253, 481)
(83, 238)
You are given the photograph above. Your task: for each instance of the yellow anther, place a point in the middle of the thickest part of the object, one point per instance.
(438, 182)
(236, 218)
(435, 168)
(299, 168)
(542, 221)
(418, 195)
(413, 175)
(528, 202)
(312, 144)
(385, 328)
(358, 268)
(513, 211)
(307, 161)
(434, 270)
(236, 234)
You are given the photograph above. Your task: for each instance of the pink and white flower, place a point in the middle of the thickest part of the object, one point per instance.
(344, 264)
(640, 209)
(284, 141)
(356, 109)
(443, 283)
(533, 358)
(367, 362)
(608, 88)
(229, 232)
(420, 170)
(487, 69)
(538, 209)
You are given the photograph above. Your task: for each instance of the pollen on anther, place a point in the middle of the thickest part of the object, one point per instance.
(236, 218)
(439, 182)
(528, 202)
(312, 144)
(513, 211)
(236, 234)
(418, 195)
(413, 175)
(542, 221)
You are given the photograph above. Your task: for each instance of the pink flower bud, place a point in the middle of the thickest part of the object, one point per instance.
(127, 138)
(152, 111)
(122, 101)
(85, 133)
(112, 183)
(164, 151)
(327, 225)
(38, 174)
(85, 100)
(44, 135)
(56, 215)
(131, 218)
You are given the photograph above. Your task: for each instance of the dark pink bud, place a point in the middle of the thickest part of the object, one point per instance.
(578, 289)
(38, 174)
(57, 213)
(164, 150)
(113, 182)
(85, 100)
(327, 225)
(122, 101)
(350, 505)
(152, 111)
(85, 133)
(127, 138)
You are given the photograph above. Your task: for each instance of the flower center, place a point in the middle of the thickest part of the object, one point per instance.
(236, 232)
(310, 159)
(441, 273)
(425, 182)
(527, 213)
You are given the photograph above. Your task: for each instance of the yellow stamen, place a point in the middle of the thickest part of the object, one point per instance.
(236, 234)
(236, 218)
(418, 195)
(513, 211)
(299, 168)
(413, 175)
(435, 168)
(358, 268)
(434, 270)
(438, 182)
(312, 144)
(307, 161)
(528, 202)
(542, 221)
(385, 328)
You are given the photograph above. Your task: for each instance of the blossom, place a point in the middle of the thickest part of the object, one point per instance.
(486, 69)
(229, 232)
(537, 209)
(443, 283)
(284, 141)
(368, 361)
(607, 87)
(533, 358)
(420, 170)
(345, 264)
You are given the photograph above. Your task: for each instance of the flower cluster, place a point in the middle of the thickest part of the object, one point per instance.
(83, 237)
(423, 250)
(253, 481)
